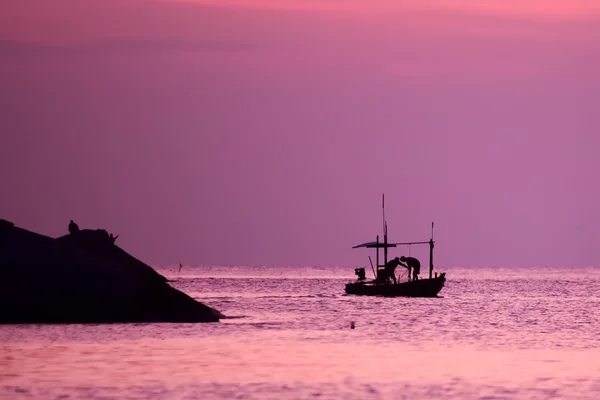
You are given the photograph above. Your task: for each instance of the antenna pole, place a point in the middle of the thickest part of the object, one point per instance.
(385, 248)
(377, 250)
(385, 242)
(383, 211)
(374, 274)
(431, 253)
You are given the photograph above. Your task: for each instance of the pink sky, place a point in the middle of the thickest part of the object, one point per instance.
(242, 132)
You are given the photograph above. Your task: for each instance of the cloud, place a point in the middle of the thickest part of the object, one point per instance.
(12, 49)
(556, 9)
(151, 45)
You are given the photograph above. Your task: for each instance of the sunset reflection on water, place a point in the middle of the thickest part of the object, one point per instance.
(293, 340)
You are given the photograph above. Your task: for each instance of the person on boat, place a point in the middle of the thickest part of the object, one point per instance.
(390, 270)
(360, 272)
(412, 264)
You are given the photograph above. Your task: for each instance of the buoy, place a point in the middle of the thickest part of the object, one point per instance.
(352, 325)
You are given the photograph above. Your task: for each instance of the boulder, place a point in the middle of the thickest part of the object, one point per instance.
(84, 278)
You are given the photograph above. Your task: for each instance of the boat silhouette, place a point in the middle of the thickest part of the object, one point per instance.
(386, 285)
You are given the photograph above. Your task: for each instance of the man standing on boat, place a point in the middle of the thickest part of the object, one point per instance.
(390, 269)
(412, 264)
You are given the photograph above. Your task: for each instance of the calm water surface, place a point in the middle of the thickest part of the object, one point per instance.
(495, 334)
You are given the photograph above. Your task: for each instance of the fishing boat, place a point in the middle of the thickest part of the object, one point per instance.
(382, 285)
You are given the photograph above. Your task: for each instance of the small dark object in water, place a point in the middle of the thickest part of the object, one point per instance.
(352, 325)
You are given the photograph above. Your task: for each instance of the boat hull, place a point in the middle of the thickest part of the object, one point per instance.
(421, 288)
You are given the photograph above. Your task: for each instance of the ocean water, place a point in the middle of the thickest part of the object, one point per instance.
(495, 333)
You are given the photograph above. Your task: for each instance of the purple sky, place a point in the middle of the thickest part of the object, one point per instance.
(223, 133)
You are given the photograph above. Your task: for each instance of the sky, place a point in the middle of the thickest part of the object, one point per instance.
(265, 132)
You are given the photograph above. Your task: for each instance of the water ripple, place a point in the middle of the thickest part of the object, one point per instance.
(493, 335)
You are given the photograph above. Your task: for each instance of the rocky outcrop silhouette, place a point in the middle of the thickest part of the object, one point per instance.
(98, 243)
(84, 277)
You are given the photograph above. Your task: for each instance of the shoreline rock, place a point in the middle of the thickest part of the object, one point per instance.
(84, 278)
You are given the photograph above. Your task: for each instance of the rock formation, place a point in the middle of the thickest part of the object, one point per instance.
(84, 277)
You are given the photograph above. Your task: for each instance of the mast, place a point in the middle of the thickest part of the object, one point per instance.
(385, 246)
(431, 253)
(377, 252)
(385, 242)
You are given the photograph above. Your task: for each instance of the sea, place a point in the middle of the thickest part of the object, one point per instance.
(494, 333)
